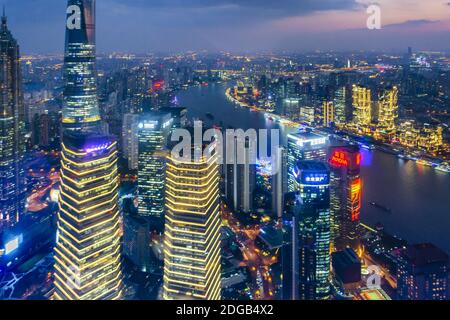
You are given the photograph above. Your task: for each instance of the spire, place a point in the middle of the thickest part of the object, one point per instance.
(4, 19)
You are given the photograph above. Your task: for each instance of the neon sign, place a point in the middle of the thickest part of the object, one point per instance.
(339, 159)
(97, 148)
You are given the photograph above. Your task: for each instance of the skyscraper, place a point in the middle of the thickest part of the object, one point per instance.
(12, 181)
(362, 107)
(153, 131)
(346, 188)
(87, 253)
(303, 146)
(313, 218)
(339, 106)
(130, 150)
(192, 254)
(423, 273)
(328, 113)
(80, 105)
(240, 176)
(388, 111)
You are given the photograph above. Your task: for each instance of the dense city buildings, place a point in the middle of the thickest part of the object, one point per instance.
(12, 183)
(99, 200)
(192, 267)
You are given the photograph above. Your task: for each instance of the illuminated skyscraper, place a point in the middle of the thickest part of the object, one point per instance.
(80, 108)
(362, 106)
(340, 101)
(87, 253)
(303, 146)
(153, 130)
(328, 113)
(346, 187)
(388, 110)
(313, 182)
(192, 255)
(12, 182)
(129, 148)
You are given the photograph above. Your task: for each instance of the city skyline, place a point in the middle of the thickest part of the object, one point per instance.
(148, 177)
(240, 26)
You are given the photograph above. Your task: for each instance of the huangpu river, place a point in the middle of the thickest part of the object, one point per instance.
(418, 196)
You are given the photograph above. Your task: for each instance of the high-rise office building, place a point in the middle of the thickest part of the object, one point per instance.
(240, 176)
(423, 272)
(12, 177)
(130, 149)
(328, 113)
(340, 106)
(192, 255)
(313, 230)
(87, 252)
(153, 131)
(303, 146)
(362, 106)
(388, 111)
(278, 179)
(346, 188)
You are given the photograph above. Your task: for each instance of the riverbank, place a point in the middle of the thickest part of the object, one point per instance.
(417, 194)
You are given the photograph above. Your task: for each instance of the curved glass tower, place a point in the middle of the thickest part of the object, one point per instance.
(87, 252)
(80, 109)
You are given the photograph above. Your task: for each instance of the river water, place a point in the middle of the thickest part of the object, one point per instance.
(418, 196)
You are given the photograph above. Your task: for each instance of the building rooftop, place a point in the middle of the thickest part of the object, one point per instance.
(315, 166)
(425, 253)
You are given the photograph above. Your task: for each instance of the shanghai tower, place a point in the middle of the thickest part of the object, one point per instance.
(80, 109)
(87, 252)
(12, 181)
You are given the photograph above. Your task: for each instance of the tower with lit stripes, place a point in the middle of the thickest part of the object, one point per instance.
(87, 252)
(192, 267)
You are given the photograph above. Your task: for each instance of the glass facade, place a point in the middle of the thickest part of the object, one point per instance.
(87, 253)
(303, 146)
(80, 109)
(153, 130)
(12, 177)
(192, 262)
(313, 185)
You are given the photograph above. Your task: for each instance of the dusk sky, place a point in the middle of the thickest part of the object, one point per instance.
(237, 25)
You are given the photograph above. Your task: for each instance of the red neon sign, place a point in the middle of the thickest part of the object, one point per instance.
(355, 199)
(339, 159)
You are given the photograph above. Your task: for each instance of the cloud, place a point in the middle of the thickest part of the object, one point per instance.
(411, 23)
(271, 8)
